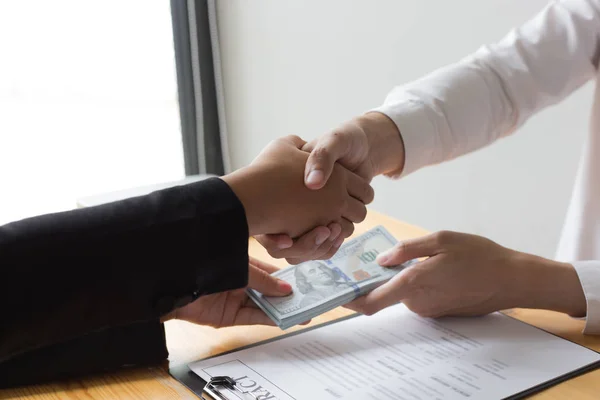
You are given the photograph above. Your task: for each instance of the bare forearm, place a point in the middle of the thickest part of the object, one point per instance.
(550, 285)
(385, 143)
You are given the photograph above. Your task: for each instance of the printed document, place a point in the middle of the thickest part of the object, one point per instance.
(397, 355)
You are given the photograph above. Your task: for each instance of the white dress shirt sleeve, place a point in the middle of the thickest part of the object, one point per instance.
(470, 104)
(467, 105)
(589, 276)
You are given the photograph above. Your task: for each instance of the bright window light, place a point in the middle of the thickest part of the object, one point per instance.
(88, 101)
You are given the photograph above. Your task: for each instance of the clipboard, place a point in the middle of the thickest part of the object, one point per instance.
(198, 385)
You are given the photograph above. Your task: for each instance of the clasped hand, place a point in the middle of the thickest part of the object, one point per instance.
(276, 201)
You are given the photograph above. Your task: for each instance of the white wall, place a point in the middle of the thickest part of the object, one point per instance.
(302, 67)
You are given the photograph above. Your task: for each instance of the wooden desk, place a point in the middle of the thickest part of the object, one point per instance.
(188, 342)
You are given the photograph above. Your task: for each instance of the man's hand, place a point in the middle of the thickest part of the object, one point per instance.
(234, 307)
(368, 145)
(275, 198)
(470, 275)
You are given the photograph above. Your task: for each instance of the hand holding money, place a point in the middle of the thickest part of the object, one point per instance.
(320, 286)
(232, 307)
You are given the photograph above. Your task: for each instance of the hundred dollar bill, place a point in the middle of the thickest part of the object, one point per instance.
(320, 286)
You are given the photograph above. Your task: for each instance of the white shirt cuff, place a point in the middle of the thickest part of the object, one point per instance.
(589, 276)
(417, 132)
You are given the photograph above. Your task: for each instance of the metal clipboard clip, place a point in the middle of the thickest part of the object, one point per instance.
(220, 384)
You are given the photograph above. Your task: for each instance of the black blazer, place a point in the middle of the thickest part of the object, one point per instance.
(83, 291)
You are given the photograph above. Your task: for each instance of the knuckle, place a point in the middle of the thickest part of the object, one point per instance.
(401, 247)
(310, 146)
(294, 138)
(337, 135)
(443, 237)
(335, 138)
(263, 277)
(321, 154)
(408, 283)
(410, 278)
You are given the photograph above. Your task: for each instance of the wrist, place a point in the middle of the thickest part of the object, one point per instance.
(247, 188)
(386, 148)
(549, 285)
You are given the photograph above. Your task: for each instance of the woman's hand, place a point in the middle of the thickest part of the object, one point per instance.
(470, 275)
(234, 307)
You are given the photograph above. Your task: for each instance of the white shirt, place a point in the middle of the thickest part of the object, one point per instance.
(470, 104)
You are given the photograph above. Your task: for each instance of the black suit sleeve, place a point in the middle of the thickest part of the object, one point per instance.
(141, 343)
(96, 279)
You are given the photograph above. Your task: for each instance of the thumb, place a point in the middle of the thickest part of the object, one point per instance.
(410, 249)
(322, 158)
(266, 284)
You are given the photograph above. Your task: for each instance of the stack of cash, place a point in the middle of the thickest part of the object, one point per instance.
(320, 286)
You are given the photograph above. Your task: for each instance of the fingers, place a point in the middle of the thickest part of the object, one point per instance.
(252, 316)
(355, 211)
(262, 281)
(317, 244)
(356, 305)
(361, 193)
(274, 243)
(359, 188)
(322, 158)
(388, 294)
(322, 252)
(268, 268)
(311, 245)
(347, 229)
(310, 146)
(294, 140)
(335, 229)
(410, 249)
(255, 316)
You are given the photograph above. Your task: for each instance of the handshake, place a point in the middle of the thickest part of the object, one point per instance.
(301, 201)
(279, 205)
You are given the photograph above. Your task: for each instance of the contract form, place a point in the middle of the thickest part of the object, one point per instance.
(398, 355)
